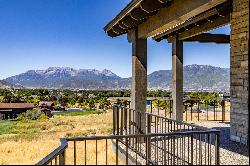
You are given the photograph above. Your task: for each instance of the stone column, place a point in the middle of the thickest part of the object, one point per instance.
(177, 78)
(139, 80)
(239, 67)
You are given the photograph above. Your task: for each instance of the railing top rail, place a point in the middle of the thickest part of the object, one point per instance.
(56, 152)
(143, 135)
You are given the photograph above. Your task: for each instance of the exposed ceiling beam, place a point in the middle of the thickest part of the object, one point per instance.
(210, 38)
(179, 12)
(152, 5)
(220, 21)
(139, 14)
(187, 23)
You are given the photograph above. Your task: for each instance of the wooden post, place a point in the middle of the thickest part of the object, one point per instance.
(139, 78)
(177, 78)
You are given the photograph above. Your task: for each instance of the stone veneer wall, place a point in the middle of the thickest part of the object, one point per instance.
(239, 71)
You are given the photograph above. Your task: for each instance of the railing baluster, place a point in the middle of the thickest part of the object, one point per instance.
(198, 110)
(151, 106)
(96, 151)
(85, 149)
(74, 152)
(188, 147)
(62, 158)
(56, 160)
(126, 151)
(214, 109)
(164, 163)
(184, 150)
(205, 140)
(209, 148)
(129, 119)
(126, 121)
(207, 109)
(192, 150)
(168, 150)
(217, 149)
(117, 122)
(114, 116)
(158, 103)
(200, 149)
(116, 159)
(136, 141)
(149, 139)
(165, 107)
(106, 152)
(147, 151)
(191, 113)
(171, 108)
(186, 112)
(122, 121)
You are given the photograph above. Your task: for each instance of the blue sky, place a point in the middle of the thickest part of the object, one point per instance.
(37, 34)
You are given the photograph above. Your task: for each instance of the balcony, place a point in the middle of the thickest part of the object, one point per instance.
(159, 141)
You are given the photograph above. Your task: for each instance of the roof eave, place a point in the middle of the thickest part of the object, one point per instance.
(133, 4)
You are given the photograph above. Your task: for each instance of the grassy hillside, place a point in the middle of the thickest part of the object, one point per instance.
(28, 142)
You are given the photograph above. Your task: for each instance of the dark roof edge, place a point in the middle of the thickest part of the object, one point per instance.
(124, 12)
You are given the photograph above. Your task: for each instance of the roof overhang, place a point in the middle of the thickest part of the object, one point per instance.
(135, 13)
(153, 17)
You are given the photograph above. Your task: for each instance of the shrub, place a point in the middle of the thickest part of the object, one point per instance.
(34, 114)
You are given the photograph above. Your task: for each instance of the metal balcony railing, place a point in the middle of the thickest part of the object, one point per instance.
(141, 139)
(179, 148)
(193, 109)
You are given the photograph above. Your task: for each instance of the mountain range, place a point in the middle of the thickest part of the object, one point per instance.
(196, 77)
(4, 85)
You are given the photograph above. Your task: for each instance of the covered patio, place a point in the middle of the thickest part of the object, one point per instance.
(177, 22)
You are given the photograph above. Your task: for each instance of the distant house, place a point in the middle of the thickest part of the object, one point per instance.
(11, 110)
(46, 104)
(46, 107)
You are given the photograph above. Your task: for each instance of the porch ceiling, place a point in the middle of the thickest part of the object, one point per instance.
(220, 12)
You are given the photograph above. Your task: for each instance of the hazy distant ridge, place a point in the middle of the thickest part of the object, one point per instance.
(196, 77)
